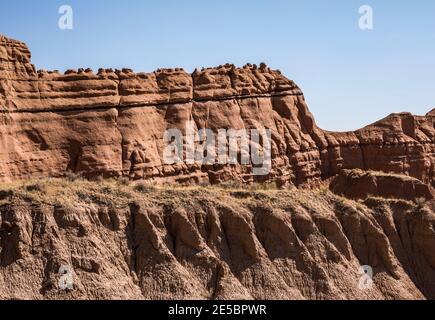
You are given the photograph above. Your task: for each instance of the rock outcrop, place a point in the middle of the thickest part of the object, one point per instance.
(137, 242)
(209, 243)
(112, 124)
(357, 184)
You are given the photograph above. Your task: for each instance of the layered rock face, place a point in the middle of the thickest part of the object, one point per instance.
(112, 124)
(133, 241)
(400, 143)
(357, 184)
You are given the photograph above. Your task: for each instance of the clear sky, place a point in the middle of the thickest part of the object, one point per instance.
(350, 77)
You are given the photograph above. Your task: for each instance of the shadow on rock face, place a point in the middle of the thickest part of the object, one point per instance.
(9, 243)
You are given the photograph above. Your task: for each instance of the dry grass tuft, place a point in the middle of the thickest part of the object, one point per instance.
(143, 187)
(35, 187)
(71, 176)
(123, 181)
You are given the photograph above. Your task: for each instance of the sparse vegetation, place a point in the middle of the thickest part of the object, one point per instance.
(100, 179)
(230, 185)
(256, 186)
(123, 181)
(263, 186)
(71, 176)
(121, 192)
(101, 213)
(35, 187)
(144, 187)
(357, 173)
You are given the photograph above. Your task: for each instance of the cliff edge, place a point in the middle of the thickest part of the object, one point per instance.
(112, 124)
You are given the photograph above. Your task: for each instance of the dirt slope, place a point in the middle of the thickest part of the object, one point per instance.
(138, 242)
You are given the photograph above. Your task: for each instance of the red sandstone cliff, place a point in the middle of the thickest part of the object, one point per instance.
(112, 123)
(138, 242)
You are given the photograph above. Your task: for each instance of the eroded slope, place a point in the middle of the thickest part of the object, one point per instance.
(210, 243)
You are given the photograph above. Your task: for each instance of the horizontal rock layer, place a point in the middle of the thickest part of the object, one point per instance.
(357, 184)
(112, 124)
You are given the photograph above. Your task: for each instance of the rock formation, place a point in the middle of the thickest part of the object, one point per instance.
(112, 124)
(209, 243)
(357, 184)
(136, 242)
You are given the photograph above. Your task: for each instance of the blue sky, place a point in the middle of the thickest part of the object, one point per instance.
(350, 77)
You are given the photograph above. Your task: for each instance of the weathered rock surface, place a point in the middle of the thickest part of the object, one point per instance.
(112, 123)
(400, 143)
(210, 243)
(357, 184)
